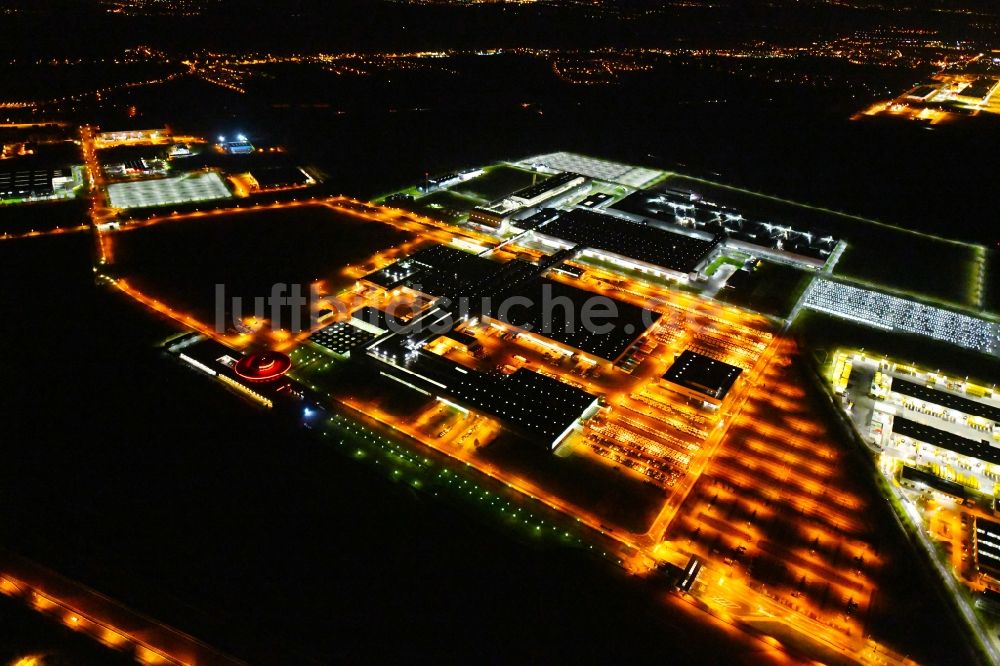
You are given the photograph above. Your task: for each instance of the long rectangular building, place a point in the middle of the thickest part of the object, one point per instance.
(33, 183)
(676, 208)
(558, 312)
(979, 90)
(539, 407)
(652, 247)
(949, 400)
(942, 439)
(438, 270)
(497, 214)
(914, 476)
(592, 167)
(546, 189)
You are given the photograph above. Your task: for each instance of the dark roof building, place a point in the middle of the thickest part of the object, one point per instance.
(269, 178)
(498, 213)
(980, 89)
(464, 339)
(488, 218)
(542, 408)
(395, 274)
(440, 271)
(980, 450)
(677, 252)
(535, 220)
(919, 476)
(596, 200)
(377, 318)
(594, 324)
(135, 165)
(949, 400)
(538, 405)
(682, 209)
(987, 542)
(924, 92)
(539, 191)
(30, 183)
(706, 377)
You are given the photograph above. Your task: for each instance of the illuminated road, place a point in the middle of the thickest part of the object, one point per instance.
(105, 620)
(51, 232)
(99, 211)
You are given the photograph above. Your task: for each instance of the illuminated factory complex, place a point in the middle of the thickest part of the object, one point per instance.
(946, 429)
(471, 290)
(572, 340)
(535, 404)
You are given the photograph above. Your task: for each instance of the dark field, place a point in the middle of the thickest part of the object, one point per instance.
(16, 219)
(496, 183)
(49, 81)
(181, 262)
(918, 265)
(441, 205)
(622, 500)
(773, 289)
(57, 149)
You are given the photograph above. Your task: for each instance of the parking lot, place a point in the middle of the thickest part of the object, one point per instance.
(777, 505)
